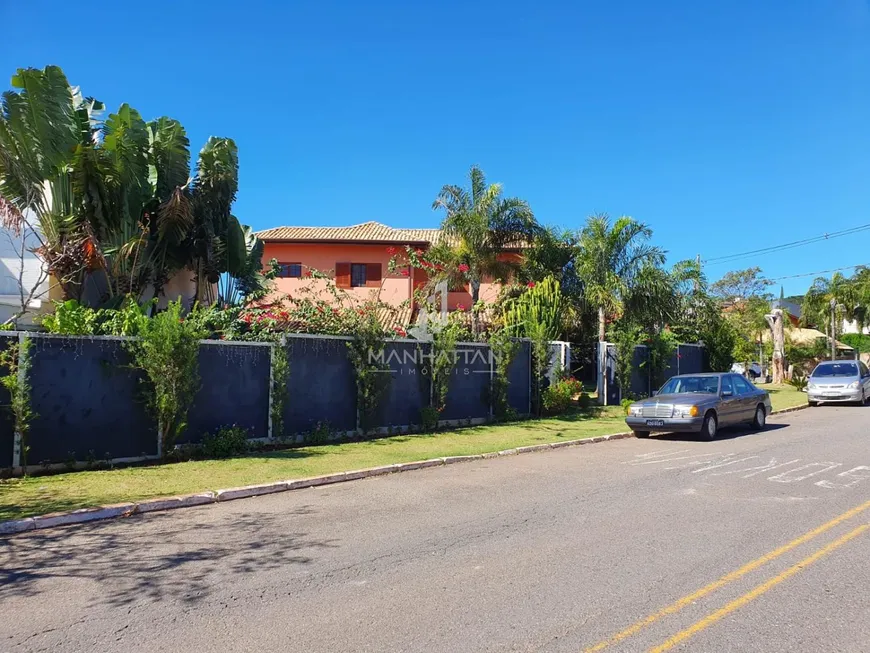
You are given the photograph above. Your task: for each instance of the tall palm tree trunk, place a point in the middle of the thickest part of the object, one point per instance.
(602, 323)
(475, 296)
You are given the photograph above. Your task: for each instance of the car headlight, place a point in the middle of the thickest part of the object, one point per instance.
(685, 411)
(635, 411)
(811, 386)
(854, 385)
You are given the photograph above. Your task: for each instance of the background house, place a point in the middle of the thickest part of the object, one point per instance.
(357, 258)
(24, 283)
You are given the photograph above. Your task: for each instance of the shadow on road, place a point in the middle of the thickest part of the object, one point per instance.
(724, 434)
(171, 556)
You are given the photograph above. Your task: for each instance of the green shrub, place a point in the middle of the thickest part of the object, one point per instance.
(429, 418)
(229, 441)
(319, 434)
(798, 381)
(167, 352)
(626, 403)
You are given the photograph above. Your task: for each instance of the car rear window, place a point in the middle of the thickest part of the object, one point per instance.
(836, 369)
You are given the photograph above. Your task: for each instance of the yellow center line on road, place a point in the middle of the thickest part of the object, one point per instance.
(738, 603)
(728, 578)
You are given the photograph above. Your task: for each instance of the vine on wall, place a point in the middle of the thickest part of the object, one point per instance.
(540, 336)
(280, 362)
(366, 353)
(503, 348)
(16, 360)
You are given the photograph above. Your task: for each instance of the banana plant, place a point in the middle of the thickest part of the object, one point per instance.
(116, 199)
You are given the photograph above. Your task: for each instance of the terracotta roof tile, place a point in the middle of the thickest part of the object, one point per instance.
(366, 232)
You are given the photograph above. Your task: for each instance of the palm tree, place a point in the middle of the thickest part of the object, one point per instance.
(829, 300)
(479, 226)
(610, 258)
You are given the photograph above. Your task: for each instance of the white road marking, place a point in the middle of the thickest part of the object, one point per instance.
(723, 463)
(662, 453)
(769, 466)
(670, 460)
(709, 461)
(787, 477)
(850, 474)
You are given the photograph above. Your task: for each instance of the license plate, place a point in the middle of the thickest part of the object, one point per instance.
(832, 394)
(655, 422)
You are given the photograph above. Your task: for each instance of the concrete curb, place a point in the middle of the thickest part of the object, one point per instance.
(231, 494)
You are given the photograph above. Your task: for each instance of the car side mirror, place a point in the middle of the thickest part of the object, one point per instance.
(654, 393)
(727, 393)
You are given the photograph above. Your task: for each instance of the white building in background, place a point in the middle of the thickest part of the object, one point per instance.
(21, 274)
(852, 327)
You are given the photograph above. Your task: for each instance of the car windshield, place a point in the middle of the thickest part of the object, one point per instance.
(699, 384)
(836, 369)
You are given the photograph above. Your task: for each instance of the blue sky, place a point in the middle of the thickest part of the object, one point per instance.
(725, 126)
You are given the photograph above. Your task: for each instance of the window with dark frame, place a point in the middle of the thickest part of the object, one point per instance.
(358, 275)
(289, 270)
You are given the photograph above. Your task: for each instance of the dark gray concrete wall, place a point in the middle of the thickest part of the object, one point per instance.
(519, 377)
(468, 390)
(407, 390)
(87, 401)
(90, 402)
(321, 387)
(234, 391)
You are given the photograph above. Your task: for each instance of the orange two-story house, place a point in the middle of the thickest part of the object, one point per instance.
(357, 258)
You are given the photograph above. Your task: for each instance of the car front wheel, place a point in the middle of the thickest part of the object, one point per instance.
(641, 434)
(760, 420)
(710, 427)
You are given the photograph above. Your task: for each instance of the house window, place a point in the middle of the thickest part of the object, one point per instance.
(358, 275)
(289, 270)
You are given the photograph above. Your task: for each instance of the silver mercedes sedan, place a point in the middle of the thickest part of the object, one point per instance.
(700, 403)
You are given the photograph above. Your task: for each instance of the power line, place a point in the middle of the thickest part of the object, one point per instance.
(797, 243)
(812, 274)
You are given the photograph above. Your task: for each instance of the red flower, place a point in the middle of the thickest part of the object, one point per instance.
(460, 307)
(418, 252)
(405, 273)
(307, 273)
(531, 284)
(335, 311)
(400, 331)
(391, 250)
(462, 267)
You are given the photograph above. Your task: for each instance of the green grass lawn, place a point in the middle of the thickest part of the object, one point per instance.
(42, 494)
(784, 396)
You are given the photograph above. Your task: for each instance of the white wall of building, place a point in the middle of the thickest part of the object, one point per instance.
(19, 275)
(852, 327)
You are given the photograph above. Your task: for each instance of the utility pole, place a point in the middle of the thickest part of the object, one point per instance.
(834, 308)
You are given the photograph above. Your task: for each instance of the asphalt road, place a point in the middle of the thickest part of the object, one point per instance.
(754, 542)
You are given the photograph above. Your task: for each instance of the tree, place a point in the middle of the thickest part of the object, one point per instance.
(741, 284)
(114, 199)
(610, 258)
(830, 300)
(775, 319)
(479, 225)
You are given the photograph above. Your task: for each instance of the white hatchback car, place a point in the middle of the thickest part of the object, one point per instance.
(839, 381)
